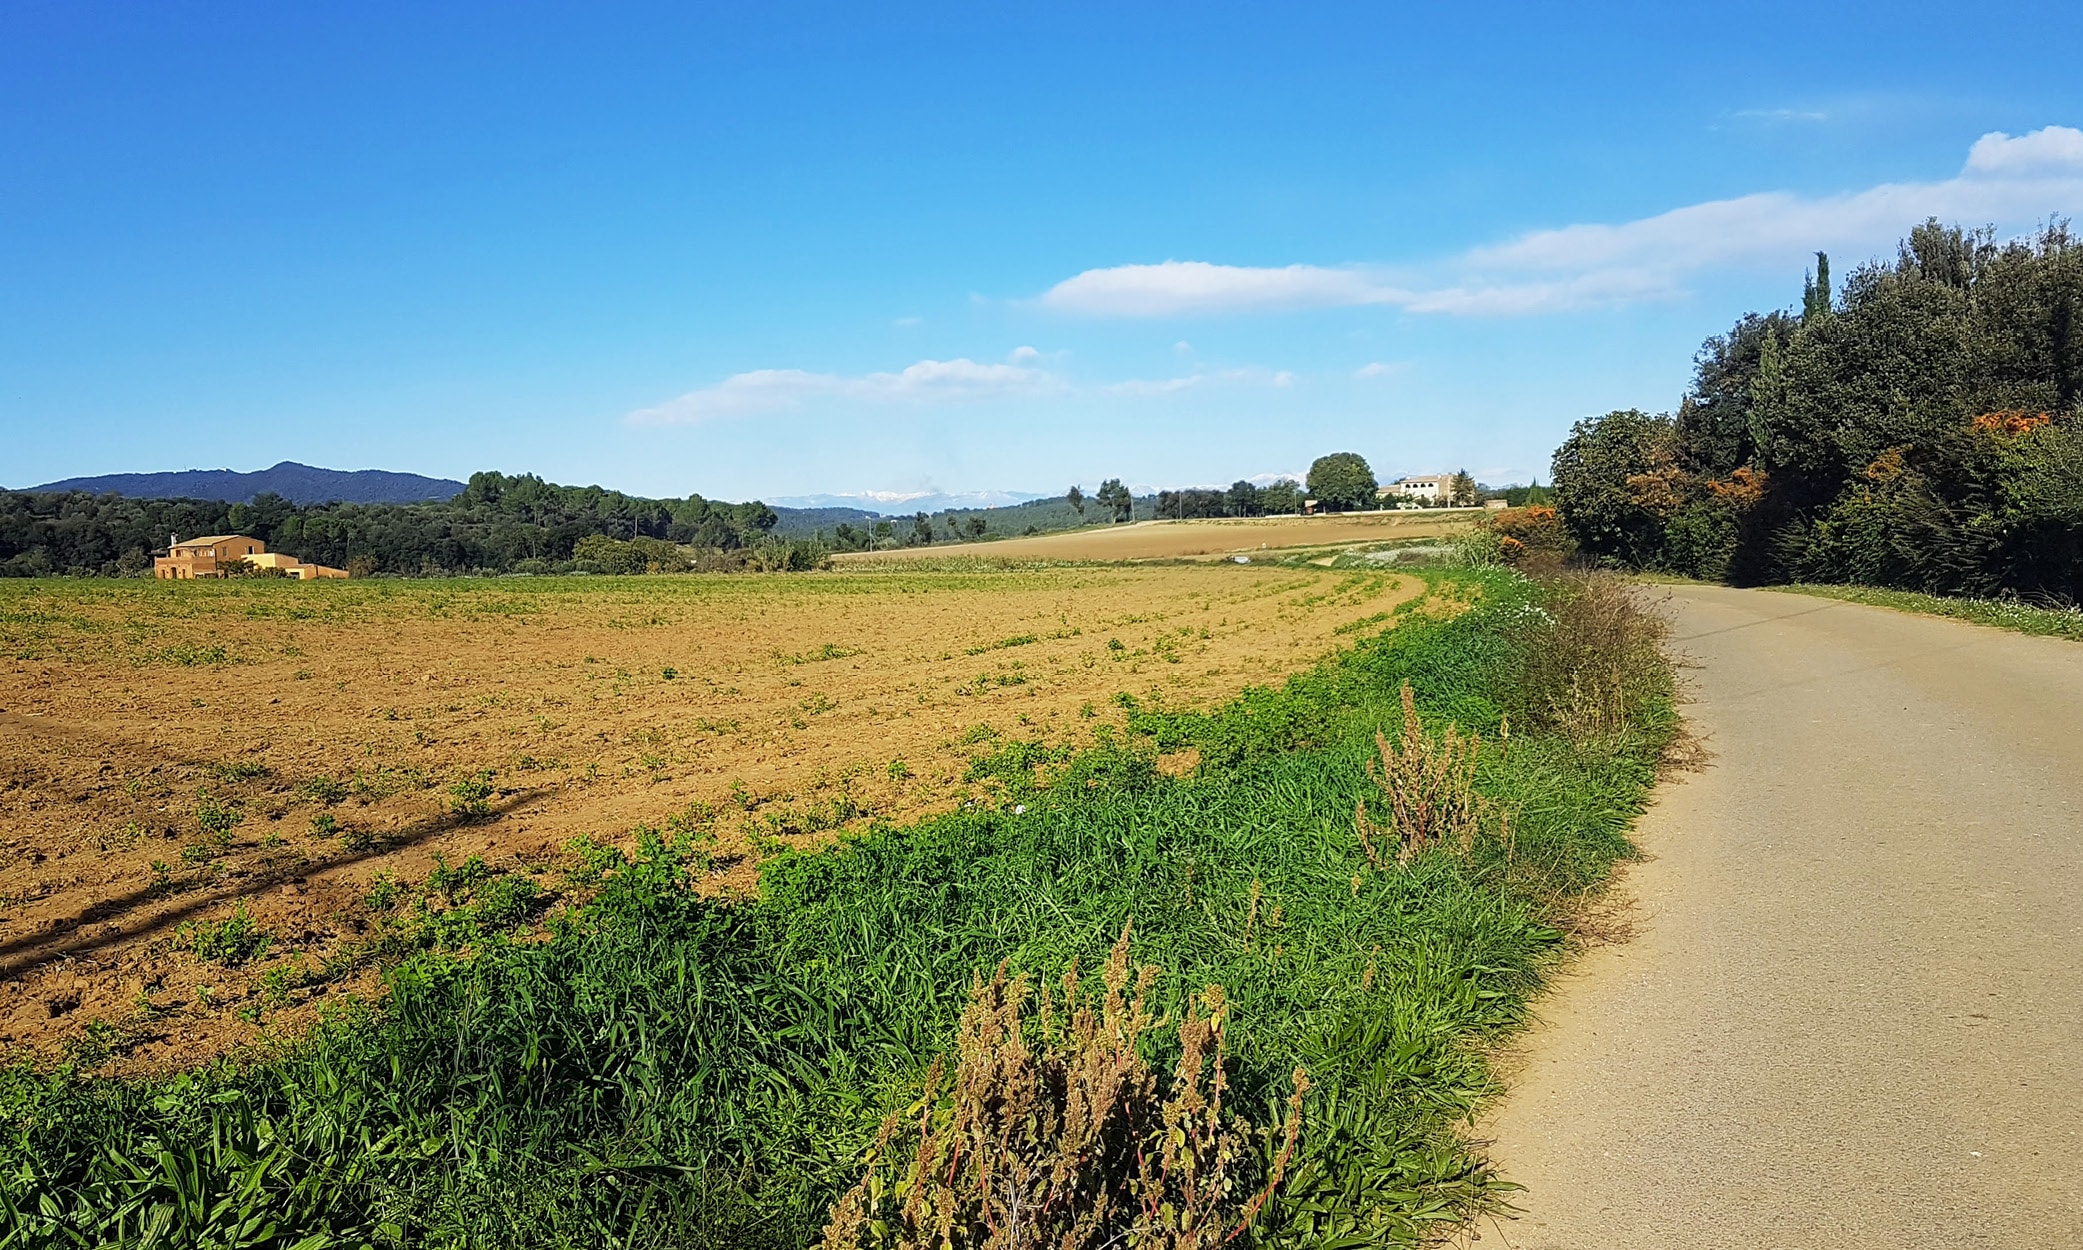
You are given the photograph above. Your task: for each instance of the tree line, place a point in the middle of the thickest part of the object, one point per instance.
(1339, 482)
(1922, 429)
(499, 524)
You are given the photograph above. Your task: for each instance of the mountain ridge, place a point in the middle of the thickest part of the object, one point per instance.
(298, 483)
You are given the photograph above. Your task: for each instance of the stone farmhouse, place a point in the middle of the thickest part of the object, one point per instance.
(210, 557)
(1432, 488)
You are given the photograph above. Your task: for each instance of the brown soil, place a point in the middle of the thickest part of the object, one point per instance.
(128, 710)
(1179, 540)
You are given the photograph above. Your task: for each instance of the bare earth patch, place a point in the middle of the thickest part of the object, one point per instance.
(176, 755)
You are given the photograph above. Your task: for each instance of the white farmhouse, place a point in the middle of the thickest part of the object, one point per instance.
(1433, 488)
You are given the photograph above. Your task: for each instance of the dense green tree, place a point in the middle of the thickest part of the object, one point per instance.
(1342, 482)
(493, 525)
(1076, 498)
(1715, 420)
(1281, 498)
(1115, 500)
(1922, 427)
(1462, 490)
(1815, 295)
(1245, 499)
(1598, 473)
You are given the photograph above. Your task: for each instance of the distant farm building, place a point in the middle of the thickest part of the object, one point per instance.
(1432, 488)
(221, 555)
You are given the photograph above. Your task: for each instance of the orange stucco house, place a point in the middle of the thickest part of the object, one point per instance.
(204, 557)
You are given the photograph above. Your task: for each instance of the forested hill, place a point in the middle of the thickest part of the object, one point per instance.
(298, 483)
(497, 523)
(1921, 430)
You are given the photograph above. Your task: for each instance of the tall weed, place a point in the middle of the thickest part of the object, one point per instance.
(1057, 1132)
(1429, 785)
(1594, 656)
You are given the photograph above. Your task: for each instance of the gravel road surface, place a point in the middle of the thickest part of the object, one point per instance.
(1851, 1013)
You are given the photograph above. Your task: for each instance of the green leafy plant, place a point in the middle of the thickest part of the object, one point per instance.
(471, 798)
(215, 817)
(384, 892)
(235, 940)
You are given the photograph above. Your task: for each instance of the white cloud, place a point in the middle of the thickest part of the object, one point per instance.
(1191, 381)
(2049, 150)
(1163, 386)
(1379, 369)
(764, 391)
(781, 390)
(2006, 180)
(1178, 287)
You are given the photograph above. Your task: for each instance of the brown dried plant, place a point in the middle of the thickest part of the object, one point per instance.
(1594, 655)
(1429, 786)
(1054, 1133)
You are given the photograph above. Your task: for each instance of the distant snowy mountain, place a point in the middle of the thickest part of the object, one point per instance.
(298, 483)
(904, 503)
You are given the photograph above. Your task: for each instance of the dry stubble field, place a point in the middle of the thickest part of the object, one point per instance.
(172, 752)
(1210, 538)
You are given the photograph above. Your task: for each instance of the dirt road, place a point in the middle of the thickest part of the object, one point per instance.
(1852, 1012)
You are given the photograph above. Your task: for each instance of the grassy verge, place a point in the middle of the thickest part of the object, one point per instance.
(2002, 613)
(663, 1069)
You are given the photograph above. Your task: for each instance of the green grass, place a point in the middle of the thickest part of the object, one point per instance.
(2002, 613)
(676, 1071)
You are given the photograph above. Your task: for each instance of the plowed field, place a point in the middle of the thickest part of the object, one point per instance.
(172, 755)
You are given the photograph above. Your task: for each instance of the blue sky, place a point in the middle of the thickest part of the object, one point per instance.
(784, 249)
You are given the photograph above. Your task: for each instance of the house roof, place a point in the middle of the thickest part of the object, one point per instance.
(214, 538)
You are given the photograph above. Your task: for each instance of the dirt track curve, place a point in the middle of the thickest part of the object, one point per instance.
(1851, 1014)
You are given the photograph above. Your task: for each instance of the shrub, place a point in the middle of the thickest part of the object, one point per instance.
(597, 553)
(796, 556)
(1532, 539)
